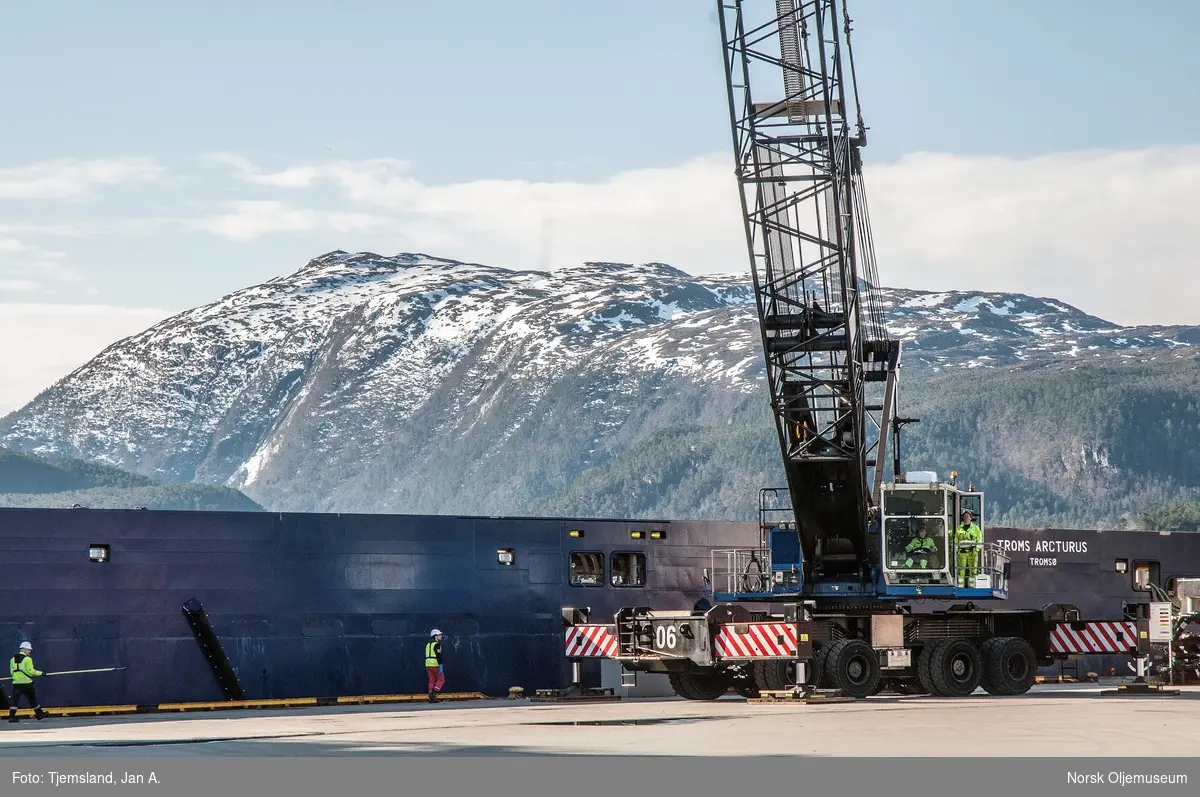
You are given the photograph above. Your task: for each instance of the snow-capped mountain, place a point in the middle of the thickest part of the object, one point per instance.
(957, 328)
(363, 382)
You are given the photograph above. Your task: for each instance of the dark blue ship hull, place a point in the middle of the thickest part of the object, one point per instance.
(316, 604)
(324, 605)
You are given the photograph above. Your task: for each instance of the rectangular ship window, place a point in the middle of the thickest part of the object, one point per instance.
(629, 569)
(1145, 574)
(98, 553)
(587, 569)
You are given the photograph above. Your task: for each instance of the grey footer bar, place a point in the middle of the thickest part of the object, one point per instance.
(514, 774)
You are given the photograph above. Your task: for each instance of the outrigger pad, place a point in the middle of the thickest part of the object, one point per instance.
(810, 697)
(1139, 690)
(575, 694)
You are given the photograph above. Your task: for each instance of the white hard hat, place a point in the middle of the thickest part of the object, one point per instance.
(25, 646)
(435, 632)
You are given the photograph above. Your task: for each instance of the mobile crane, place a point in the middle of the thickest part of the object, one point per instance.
(824, 601)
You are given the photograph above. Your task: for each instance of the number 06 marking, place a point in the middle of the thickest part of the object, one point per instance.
(665, 637)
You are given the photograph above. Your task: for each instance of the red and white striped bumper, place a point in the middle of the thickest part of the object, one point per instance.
(591, 642)
(1099, 637)
(756, 641)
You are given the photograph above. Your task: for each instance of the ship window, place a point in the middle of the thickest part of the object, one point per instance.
(1145, 574)
(506, 556)
(587, 569)
(1121, 566)
(98, 553)
(629, 569)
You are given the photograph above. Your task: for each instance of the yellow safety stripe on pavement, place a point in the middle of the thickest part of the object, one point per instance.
(226, 705)
(217, 705)
(71, 711)
(411, 698)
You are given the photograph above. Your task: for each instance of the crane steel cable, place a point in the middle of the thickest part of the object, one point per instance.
(862, 216)
(866, 240)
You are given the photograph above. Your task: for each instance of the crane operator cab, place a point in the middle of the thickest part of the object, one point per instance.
(932, 547)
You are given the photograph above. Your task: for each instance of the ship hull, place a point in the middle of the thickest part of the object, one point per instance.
(313, 605)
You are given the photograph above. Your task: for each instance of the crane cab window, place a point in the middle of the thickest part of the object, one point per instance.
(916, 543)
(587, 569)
(1145, 574)
(914, 502)
(628, 569)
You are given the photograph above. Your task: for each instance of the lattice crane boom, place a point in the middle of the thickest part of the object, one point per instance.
(797, 133)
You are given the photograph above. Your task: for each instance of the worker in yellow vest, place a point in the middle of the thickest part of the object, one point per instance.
(21, 668)
(433, 664)
(967, 540)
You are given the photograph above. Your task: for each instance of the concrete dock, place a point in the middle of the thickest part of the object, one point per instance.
(1052, 720)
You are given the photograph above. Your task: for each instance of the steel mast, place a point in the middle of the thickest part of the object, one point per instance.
(797, 132)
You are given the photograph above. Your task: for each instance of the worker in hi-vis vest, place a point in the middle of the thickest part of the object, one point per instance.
(968, 539)
(921, 551)
(433, 664)
(21, 668)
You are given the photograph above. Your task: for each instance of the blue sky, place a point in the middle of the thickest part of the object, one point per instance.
(158, 155)
(554, 89)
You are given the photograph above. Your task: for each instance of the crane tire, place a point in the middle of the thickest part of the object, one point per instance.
(853, 667)
(820, 675)
(770, 675)
(924, 667)
(956, 667)
(1009, 666)
(700, 686)
(681, 687)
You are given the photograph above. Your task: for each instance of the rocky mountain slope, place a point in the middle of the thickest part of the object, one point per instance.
(417, 384)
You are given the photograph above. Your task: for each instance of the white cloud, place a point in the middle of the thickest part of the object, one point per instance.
(67, 178)
(245, 220)
(1072, 225)
(687, 214)
(28, 268)
(66, 337)
(10, 246)
(19, 286)
(1112, 232)
(368, 173)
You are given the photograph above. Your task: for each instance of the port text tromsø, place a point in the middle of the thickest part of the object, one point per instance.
(1043, 547)
(1123, 778)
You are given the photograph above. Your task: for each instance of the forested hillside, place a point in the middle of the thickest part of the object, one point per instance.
(1052, 445)
(32, 481)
